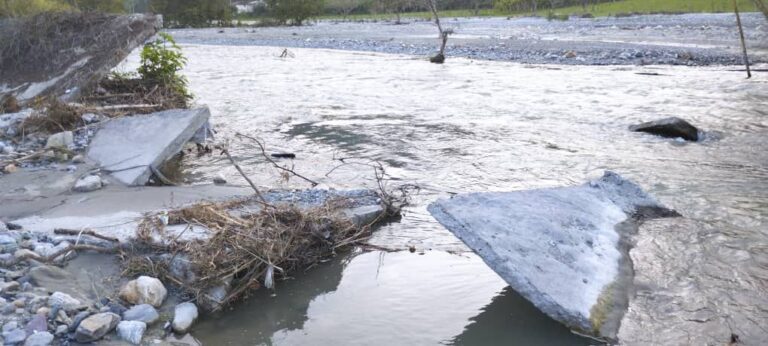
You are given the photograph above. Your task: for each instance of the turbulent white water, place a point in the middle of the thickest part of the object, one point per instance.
(466, 126)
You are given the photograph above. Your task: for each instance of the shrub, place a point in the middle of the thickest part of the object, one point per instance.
(297, 11)
(160, 62)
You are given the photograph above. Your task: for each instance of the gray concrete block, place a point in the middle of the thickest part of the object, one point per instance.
(128, 146)
(560, 248)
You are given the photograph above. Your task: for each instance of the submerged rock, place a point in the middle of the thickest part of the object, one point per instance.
(184, 316)
(669, 127)
(144, 290)
(559, 248)
(95, 327)
(88, 184)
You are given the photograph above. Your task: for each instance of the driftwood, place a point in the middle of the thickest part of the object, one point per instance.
(91, 233)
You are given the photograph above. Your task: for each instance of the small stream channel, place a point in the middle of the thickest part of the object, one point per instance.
(462, 127)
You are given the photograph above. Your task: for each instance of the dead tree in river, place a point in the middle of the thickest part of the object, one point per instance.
(741, 35)
(440, 57)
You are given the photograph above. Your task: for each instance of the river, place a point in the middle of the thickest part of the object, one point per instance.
(465, 126)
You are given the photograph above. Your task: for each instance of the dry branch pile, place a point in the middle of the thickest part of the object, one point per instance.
(246, 249)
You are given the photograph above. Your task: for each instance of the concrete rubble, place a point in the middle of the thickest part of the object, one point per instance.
(131, 148)
(61, 54)
(563, 249)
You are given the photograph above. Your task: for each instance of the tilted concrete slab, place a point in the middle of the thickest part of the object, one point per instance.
(560, 248)
(60, 54)
(130, 147)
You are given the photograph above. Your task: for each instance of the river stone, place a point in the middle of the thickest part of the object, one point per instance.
(39, 339)
(143, 312)
(64, 301)
(6, 287)
(14, 336)
(669, 127)
(88, 184)
(7, 243)
(78, 318)
(184, 315)
(144, 290)
(131, 331)
(130, 146)
(38, 323)
(557, 247)
(60, 140)
(95, 327)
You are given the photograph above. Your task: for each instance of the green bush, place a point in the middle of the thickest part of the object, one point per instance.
(161, 60)
(296, 11)
(22, 8)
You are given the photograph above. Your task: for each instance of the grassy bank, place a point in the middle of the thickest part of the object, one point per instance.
(599, 10)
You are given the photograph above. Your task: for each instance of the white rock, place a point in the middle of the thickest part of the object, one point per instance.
(142, 312)
(65, 301)
(60, 140)
(184, 316)
(131, 331)
(144, 290)
(88, 183)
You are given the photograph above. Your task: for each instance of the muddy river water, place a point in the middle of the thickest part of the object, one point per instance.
(464, 126)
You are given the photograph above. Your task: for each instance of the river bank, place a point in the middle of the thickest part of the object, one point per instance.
(688, 39)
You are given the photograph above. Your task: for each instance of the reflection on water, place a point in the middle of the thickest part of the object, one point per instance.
(462, 127)
(379, 298)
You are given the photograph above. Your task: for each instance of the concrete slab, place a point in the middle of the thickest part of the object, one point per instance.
(559, 248)
(129, 147)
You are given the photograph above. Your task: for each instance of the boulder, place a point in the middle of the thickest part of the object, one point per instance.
(143, 313)
(88, 183)
(560, 248)
(669, 127)
(132, 147)
(95, 327)
(131, 331)
(144, 290)
(60, 140)
(184, 315)
(39, 339)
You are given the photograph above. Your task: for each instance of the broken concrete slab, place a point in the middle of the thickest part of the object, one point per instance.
(60, 54)
(132, 147)
(116, 211)
(559, 247)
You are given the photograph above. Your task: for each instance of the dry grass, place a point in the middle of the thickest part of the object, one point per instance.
(244, 250)
(120, 90)
(53, 116)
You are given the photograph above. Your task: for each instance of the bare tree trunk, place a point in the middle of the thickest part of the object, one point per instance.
(440, 57)
(741, 34)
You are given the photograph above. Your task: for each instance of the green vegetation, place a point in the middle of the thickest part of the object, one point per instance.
(295, 11)
(161, 60)
(193, 13)
(21, 8)
(656, 6)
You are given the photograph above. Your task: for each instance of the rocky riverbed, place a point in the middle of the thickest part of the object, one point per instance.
(690, 39)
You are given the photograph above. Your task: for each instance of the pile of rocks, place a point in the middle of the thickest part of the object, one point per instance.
(30, 314)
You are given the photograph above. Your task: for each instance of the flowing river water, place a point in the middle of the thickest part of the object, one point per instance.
(463, 126)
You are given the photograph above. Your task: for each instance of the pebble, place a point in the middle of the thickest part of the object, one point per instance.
(64, 301)
(96, 326)
(15, 336)
(6, 287)
(144, 290)
(38, 323)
